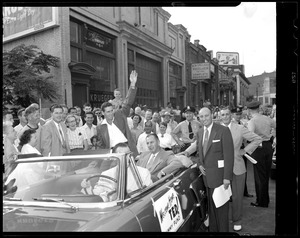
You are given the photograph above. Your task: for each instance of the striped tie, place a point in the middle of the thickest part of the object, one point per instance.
(61, 134)
(150, 161)
(205, 141)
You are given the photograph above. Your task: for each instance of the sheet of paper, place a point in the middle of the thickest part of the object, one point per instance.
(221, 195)
(250, 159)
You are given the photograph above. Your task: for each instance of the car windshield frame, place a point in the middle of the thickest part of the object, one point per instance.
(119, 157)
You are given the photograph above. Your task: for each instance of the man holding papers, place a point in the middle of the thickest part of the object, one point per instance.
(239, 134)
(215, 148)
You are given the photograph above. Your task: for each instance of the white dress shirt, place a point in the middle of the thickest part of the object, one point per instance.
(115, 135)
(90, 132)
(166, 140)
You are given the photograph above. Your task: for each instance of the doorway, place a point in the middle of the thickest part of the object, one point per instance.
(79, 94)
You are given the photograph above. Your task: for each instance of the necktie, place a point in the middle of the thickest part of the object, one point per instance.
(61, 134)
(149, 164)
(191, 134)
(205, 141)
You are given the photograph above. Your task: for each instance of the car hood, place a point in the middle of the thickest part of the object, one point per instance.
(49, 219)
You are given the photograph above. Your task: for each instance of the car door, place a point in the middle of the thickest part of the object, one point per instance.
(170, 204)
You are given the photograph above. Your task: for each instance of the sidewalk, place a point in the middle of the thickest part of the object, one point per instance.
(257, 220)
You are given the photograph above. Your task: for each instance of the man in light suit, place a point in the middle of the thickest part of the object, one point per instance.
(216, 156)
(114, 128)
(54, 139)
(158, 161)
(239, 134)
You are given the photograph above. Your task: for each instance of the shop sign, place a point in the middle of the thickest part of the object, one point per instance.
(21, 21)
(228, 58)
(201, 71)
(98, 41)
(99, 97)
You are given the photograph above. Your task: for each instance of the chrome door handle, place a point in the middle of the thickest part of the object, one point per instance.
(177, 182)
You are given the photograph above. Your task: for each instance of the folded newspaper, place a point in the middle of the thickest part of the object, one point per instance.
(250, 158)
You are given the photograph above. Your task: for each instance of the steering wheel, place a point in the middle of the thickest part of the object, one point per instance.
(103, 176)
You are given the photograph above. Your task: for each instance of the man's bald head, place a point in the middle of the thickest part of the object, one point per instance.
(205, 109)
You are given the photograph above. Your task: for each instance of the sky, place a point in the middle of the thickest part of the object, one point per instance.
(248, 29)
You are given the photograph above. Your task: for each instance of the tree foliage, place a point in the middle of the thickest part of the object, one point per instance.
(26, 76)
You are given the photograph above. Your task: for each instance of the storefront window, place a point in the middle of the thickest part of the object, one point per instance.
(102, 79)
(75, 32)
(76, 54)
(174, 78)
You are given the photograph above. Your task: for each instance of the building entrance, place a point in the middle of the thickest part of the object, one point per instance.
(79, 94)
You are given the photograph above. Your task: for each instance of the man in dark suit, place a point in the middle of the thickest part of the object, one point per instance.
(216, 156)
(158, 161)
(114, 128)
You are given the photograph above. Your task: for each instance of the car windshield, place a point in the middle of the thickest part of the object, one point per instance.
(73, 179)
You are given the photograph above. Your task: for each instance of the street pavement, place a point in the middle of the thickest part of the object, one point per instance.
(257, 220)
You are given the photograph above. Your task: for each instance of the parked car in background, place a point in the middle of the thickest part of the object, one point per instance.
(46, 194)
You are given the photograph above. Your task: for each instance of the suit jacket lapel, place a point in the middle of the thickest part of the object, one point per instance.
(56, 130)
(200, 139)
(156, 161)
(104, 134)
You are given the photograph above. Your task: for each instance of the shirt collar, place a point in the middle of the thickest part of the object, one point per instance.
(57, 124)
(229, 125)
(105, 121)
(208, 128)
(85, 125)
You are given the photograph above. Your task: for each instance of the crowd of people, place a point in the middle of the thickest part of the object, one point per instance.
(215, 137)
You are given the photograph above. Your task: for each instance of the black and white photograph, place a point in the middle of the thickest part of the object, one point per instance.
(149, 118)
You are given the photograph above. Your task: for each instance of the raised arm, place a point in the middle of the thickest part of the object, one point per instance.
(130, 97)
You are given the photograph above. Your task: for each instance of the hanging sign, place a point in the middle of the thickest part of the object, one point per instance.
(201, 71)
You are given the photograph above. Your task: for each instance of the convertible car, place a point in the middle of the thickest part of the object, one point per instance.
(48, 194)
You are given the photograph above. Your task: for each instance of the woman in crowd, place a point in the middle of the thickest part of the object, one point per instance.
(166, 140)
(77, 137)
(136, 129)
(28, 142)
